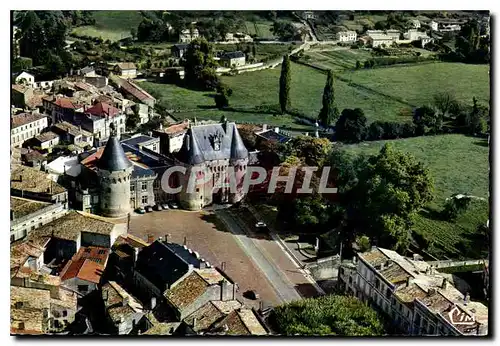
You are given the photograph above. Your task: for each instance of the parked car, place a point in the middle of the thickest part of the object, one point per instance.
(260, 224)
(157, 207)
(165, 206)
(149, 209)
(174, 206)
(251, 294)
(140, 211)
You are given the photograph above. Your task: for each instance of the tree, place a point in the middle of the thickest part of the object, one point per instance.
(284, 30)
(221, 100)
(313, 151)
(391, 188)
(254, 51)
(285, 81)
(375, 131)
(351, 126)
(444, 102)
(455, 206)
(358, 64)
(363, 243)
(329, 112)
(133, 33)
(326, 315)
(199, 66)
(426, 120)
(133, 120)
(475, 121)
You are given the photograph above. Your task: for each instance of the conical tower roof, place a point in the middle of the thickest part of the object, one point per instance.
(194, 155)
(113, 157)
(238, 149)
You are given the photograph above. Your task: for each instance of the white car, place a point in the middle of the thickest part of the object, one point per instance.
(260, 224)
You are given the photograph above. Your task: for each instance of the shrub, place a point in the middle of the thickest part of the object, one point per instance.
(455, 206)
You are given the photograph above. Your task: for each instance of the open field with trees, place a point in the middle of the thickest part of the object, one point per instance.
(111, 25)
(458, 164)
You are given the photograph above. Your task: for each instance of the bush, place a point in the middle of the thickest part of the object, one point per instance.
(221, 100)
(455, 206)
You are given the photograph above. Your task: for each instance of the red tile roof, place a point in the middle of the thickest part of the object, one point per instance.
(64, 102)
(93, 253)
(102, 109)
(136, 91)
(84, 269)
(25, 118)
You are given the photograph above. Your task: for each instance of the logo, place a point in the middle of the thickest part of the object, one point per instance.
(459, 317)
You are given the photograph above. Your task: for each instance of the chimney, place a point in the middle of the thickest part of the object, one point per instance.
(150, 134)
(136, 254)
(125, 301)
(153, 303)
(264, 127)
(166, 238)
(261, 306)
(223, 266)
(444, 284)
(151, 238)
(194, 323)
(409, 281)
(277, 129)
(161, 126)
(185, 241)
(466, 298)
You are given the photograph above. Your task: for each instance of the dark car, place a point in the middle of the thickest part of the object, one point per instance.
(251, 294)
(148, 209)
(157, 207)
(165, 206)
(261, 227)
(174, 206)
(140, 210)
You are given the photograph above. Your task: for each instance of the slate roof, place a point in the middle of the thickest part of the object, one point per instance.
(273, 136)
(113, 157)
(233, 55)
(160, 265)
(200, 143)
(142, 139)
(180, 46)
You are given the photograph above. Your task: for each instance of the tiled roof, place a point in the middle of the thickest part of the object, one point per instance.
(25, 118)
(21, 251)
(205, 317)
(187, 291)
(241, 322)
(175, 129)
(135, 90)
(32, 180)
(70, 226)
(84, 269)
(64, 102)
(46, 136)
(94, 253)
(227, 306)
(118, 302)
(103, 109)
(65, 126)
(21, 206)
(27, 308)
(20, 88)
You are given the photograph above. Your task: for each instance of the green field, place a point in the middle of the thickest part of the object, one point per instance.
(339, 59)
(260, 28)
(112, 25)
(458, 164)
(417, 84)
(260, 88)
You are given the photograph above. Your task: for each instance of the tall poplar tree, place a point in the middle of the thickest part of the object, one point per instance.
(285, 81)
(329, 112)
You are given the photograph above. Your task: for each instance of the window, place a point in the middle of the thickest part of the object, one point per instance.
(57, 324)
(144, 186)
(132, 188)
(65, 313)
(154, 147)
(20, 326)
(18, 305)
(144, 199)
(101, 252)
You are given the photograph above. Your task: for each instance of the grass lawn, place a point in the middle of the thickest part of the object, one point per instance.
(417, 84)
(260, 88)
(338, 60)
(112, 25)
(458, 164)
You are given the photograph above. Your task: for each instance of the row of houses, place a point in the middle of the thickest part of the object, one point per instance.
(416, 298)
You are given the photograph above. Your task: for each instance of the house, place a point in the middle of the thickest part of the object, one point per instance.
(347, 36)
(63, 166)
(72, 231)
(434, 25)
(414, 23)
(27, 215)
(25, 126)
(424, 40)
(33, 158)
(112, 114)
(97, 81)
(380, 40)
(136, 93)
(233, 59)
(178, 50)
(46, 140)
(171, 137)
(25, 78)
(87, 71)
(73, 134)
(187, 35)
(308, 15)
(394, 34)
(40, 311)
(122, 310)
(242, 321)
(125, 70)
(412, 295)
(27, 182)
(21, 95)
(60, 108)
(83, 272)
(26, 255)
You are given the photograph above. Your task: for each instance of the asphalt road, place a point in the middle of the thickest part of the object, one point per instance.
(283, 287)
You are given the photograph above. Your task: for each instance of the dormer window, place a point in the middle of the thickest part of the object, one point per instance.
(217, 144)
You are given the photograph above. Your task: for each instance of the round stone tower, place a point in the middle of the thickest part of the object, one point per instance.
(114, 171)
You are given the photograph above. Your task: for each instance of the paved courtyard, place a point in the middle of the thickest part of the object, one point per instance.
(212, 243)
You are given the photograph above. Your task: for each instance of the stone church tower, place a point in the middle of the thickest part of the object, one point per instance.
(114, 171)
